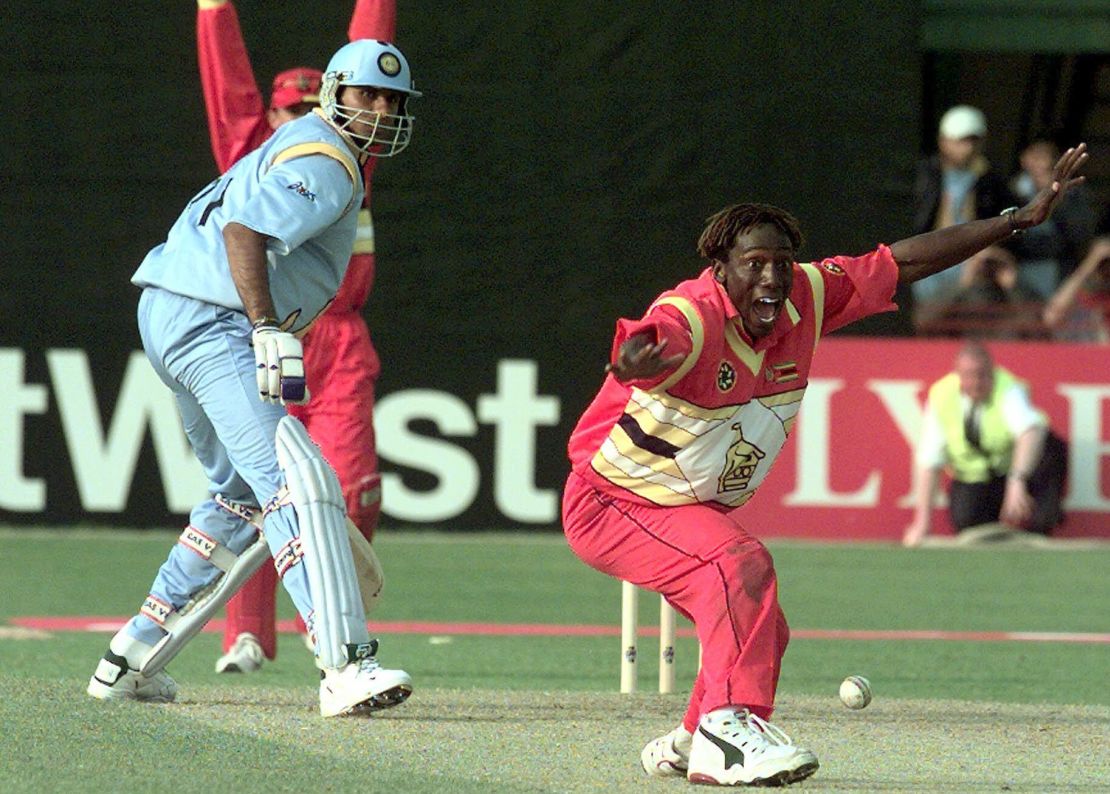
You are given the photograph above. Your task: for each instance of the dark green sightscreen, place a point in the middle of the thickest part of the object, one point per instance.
(564, 160)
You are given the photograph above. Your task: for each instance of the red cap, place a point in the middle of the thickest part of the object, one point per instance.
(294, 86)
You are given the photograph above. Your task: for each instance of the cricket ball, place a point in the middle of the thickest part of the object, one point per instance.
(855, 692)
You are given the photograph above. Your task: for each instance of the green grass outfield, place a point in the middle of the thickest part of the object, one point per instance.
(536, 713)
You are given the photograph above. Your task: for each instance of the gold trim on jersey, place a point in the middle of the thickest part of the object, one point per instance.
(697, 338)
(328, 150)
(674, 411)
(785, 398)
(646, 445)
(752, 360)
(774, 401)
(659, 488)
(665, 426)
(818, 285)
(316, 147)
(364, 233)
(657, 463)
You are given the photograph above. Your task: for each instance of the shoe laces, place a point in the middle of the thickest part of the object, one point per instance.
(753, 731)
(368, 664)
(773, 734)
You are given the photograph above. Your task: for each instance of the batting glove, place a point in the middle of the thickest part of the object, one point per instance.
(279, 359)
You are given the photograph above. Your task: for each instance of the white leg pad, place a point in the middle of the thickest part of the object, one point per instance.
(314, 489)
(183, 624)
(368, 568)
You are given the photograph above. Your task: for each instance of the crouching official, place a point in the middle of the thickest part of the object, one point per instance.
(1006, 464)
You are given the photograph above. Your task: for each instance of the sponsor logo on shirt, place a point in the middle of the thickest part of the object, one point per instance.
(301, 190)
(741, 461)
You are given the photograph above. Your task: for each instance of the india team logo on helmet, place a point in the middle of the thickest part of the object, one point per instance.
(379, 64)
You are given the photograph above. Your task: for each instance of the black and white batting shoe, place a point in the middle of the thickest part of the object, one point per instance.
(737, 748)
(362, 686)
(115, 680)
(667, 755)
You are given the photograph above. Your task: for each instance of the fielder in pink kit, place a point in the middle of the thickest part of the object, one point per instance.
(341, 365)
(701, 395)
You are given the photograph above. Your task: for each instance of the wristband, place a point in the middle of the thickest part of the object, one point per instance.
(266, 322)
(1018, 476)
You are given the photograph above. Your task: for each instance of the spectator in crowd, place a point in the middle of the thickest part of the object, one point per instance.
(1049, 253)
(1005, 463)
(989, 301)
(1079, 311)
(955, 185)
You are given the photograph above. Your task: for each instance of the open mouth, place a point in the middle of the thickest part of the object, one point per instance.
(766, 310)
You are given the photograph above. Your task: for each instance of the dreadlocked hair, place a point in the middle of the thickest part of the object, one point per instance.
(722, 227)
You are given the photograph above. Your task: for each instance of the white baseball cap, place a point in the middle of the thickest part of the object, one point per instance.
(963, 121)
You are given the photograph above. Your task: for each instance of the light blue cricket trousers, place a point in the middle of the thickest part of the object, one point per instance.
(202, 353)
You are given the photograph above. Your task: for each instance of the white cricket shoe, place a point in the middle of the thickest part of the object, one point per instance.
(737, 748)
(362, 685)
(115, 680)
(667, 755)
(244, 656)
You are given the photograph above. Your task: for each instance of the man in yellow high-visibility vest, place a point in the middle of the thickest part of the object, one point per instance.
(1005, 464)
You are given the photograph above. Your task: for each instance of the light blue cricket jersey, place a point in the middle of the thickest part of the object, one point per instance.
(302, 188)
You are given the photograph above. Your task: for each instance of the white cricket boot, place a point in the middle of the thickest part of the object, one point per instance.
(668, 755)
(362, 685)
(736, 748)
(244, 656)
(115, 679)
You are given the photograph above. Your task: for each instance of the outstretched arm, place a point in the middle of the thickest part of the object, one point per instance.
(236, 115)
(929, 253)
(374, 19)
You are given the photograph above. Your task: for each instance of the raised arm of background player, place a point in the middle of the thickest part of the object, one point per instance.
(236, 113)
(642, 358)
(373, 19)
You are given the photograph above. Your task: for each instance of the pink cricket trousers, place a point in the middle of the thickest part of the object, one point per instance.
(709, 569)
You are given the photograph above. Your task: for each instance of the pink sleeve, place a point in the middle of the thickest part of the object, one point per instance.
(372, 19)
(236, 114)
(857, 287)
(663, 322)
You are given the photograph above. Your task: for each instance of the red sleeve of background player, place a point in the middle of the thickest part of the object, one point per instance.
(857, 287)
(236, 116)
(661, 322)
(373, 19)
